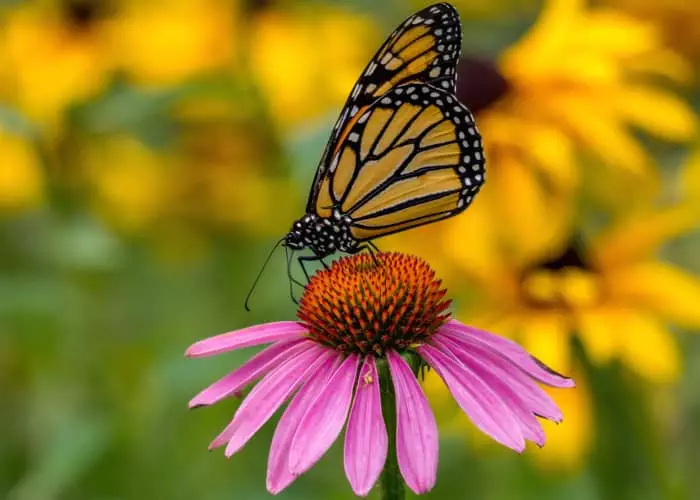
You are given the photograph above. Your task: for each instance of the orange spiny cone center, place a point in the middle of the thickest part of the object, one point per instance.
(371, 303)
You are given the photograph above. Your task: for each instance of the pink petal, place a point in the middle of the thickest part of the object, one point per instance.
(485, 408)
(366, 438)
(416, 430)
(278, 473)
(536, 400)
(246, 337)
(505, 347)
(502, 383)
(255, 367)
(267, 396)
(324, 419)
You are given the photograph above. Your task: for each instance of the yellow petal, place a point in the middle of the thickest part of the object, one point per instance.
(471, 242)
(541, 45)
(614, 34)
(568, 443)
(532, 222)
(662, 288)
(600, 130)
(640, 235)
(546, 335)
(666, 63)
(647, 347)
(597, 329)
(657, 112)
(21, 177)
(553, 155)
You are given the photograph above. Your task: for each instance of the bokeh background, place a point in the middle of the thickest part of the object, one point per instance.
(152, 151)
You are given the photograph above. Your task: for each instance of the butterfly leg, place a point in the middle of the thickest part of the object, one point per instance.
(309, 258)
(290, 277)
(370, 248)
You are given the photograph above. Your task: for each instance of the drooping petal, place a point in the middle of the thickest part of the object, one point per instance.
(416, 430)
(504, 385)
(267, 396)
(468, 335)
(278, 474)
(366, 439)
(255, 367)
(324, 419)
(484, 407)
(246, 337)
(537, 400)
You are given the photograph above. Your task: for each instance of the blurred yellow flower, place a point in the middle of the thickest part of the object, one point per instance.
(306, 62)
(166, 41)
(53, 55)
(132, 186)
(21, 177)
(214, 178)
(609, 290)
(575, 85)
(228, 179)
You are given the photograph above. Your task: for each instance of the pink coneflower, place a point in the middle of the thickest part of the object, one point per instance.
(366, 327)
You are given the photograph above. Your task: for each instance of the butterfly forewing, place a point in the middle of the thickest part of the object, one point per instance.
(413, 157)
(424, 48)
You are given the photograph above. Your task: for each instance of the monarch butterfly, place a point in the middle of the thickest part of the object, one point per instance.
(404, 151)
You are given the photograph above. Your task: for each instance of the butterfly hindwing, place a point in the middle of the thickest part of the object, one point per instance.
(424, 48)
(413, 157)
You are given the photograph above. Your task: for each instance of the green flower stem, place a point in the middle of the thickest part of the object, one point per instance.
(391, 482)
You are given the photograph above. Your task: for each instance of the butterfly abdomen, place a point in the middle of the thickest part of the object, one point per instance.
(323, 235)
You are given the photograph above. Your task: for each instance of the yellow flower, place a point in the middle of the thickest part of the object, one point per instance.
(52, 56)
(307, 62)
(575, 86)
(214, 178)
(610, 290)
(21, 177)
(166, 41)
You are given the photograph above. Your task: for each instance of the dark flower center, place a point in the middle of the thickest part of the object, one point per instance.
(563, 281)
(371, 303)
(479, 83)
(82, 14)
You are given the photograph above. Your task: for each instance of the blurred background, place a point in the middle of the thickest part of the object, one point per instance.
(152, 151)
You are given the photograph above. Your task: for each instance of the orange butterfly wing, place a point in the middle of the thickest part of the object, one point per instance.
(413, 157)
(424, 48)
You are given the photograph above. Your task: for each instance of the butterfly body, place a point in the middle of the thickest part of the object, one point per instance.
(323, 235)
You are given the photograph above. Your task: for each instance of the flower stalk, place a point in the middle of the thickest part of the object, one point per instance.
(391, 481)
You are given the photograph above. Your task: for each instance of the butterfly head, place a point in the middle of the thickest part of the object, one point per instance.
(295, 236)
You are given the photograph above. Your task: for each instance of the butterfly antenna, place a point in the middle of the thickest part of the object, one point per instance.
(257, 278)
